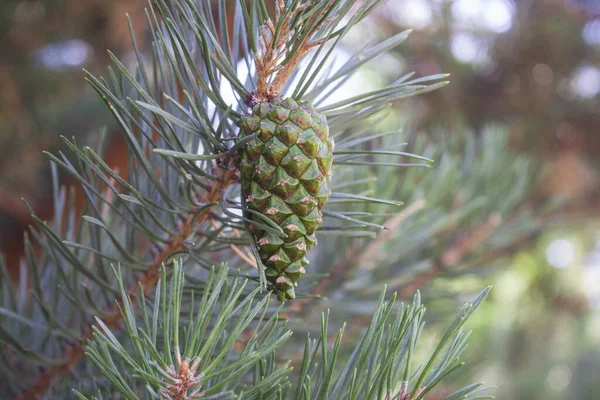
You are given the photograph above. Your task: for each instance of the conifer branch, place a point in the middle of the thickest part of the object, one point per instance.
(366, 257)
(454, 254)
(203, 364)
(75, 350)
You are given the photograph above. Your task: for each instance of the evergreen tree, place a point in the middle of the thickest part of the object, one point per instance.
(124, 301)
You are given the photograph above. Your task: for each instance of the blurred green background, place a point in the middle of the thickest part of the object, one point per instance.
(530, 68)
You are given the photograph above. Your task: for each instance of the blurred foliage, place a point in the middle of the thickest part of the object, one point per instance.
(530, 66)
(43, 46)
(541, 325)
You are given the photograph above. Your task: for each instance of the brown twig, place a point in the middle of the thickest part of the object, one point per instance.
(360, 256)
(367, 257)
(453, 255)
(268, 60)
(404, 393)
(187, 381)
(244, 254)
(75, 351)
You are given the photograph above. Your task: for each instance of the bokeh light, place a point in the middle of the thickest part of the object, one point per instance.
(560, 253)
(492, 15)
(70, 53)
(586, 82)
(468, 48)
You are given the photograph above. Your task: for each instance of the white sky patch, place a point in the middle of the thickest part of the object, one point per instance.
(236, 211)
(226, 90)
(560, 253)
(586, 82)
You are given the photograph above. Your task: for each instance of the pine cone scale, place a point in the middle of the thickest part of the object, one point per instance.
(285, 170)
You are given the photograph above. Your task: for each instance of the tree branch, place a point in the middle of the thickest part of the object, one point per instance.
(365, 257)
(453, 255)
(75, 351)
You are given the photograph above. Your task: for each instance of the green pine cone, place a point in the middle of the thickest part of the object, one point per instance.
(284, 172)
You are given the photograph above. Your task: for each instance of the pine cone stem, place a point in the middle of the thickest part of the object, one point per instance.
(268, 61)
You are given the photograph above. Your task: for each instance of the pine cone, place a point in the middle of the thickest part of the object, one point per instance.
(284, 172)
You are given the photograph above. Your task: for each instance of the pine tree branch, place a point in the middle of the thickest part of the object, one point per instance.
(75, 350)
(453, 255)
(359, 256)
